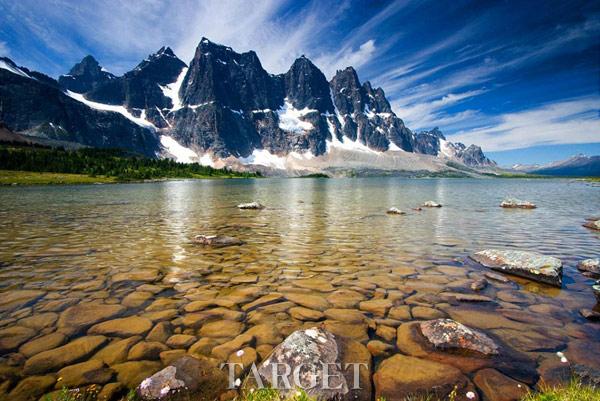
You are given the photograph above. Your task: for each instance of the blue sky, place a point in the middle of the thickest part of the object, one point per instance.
(519, 78)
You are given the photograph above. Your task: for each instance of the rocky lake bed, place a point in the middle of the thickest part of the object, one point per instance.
(156, 290)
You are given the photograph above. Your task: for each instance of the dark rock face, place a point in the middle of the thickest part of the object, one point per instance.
(473, 156)
(85, 76)
(366, 110)
(139, 88)
(43, 110)
(428, 142)
(225, 103)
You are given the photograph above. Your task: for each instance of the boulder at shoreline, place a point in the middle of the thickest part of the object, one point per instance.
(531, 265)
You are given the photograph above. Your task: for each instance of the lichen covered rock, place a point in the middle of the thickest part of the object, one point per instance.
(531, 265)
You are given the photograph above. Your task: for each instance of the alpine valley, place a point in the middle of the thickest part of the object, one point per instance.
(224, 109)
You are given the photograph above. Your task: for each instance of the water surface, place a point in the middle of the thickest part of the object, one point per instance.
(57, 239)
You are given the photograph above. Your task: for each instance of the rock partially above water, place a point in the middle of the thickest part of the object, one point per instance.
(309, 350)
(395, 210)
(251, 206)
(531, 265)
(450, 334)
(596, 289)
(431, 204)
(593, 223)
(216, 240)
(187, 378)
(590, 266)
(517, 204)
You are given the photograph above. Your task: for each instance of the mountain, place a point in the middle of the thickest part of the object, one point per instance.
(225, 109)
(85, 76)
(575, 166)
(34, 105)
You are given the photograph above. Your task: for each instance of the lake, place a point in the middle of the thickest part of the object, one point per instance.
(126, 251)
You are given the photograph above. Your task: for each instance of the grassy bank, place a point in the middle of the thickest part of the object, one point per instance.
(28, 165)
(574, 391)
(8, 177)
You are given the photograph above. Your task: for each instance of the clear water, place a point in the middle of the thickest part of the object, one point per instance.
(54, 238)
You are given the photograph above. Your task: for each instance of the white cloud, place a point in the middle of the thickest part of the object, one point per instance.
(427, 115)
(563, 122)
(4, 51)
(330, 63)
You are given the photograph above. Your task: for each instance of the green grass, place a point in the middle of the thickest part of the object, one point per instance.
(8, 177)
(29, 165)
(574, 391)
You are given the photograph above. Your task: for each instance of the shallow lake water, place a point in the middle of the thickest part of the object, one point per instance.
(320, 243)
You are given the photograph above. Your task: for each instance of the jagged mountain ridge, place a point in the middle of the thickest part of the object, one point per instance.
(225, 104)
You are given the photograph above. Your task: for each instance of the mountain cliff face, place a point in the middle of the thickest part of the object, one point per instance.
(224, 104)
(35, 105)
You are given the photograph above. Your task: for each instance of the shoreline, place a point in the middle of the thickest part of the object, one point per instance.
(18, 178)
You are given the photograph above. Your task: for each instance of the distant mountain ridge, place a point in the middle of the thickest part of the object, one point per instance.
(222, 107)
(576, 166)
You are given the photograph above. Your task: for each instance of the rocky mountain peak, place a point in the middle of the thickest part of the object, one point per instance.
(85, 76)
(307, 87)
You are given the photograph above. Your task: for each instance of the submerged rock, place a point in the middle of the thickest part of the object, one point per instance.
(310, 351)
(498, 387)
(590, 314)
(216, 240)
(251, 206)
(431, 204)
(531, 265)
(517, 204)
(394, 210)
(467, 349)
(401, 376)
(593, 223)
(187, 378)
(590, 266)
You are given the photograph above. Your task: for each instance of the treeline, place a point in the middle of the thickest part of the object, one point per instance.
(103, 162)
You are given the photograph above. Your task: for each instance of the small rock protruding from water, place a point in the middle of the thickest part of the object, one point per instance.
(395, 210)
(312, 349)
(186, 378)
(431, 204)
(590, 314)
(513, 203)
(216, 240)
(591, 266)
(530, 265)
(593, 223)
(251, 206)
(596, 289)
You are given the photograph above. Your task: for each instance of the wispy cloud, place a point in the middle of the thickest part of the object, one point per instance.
(4, 49)
(564, 122)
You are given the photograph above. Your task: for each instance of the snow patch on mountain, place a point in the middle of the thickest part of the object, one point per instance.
(14, 69)
(141, 121)
(289, 118)
(179, 152)
(446, 149)
(172, 90)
